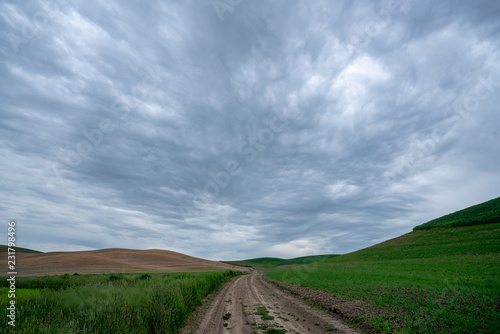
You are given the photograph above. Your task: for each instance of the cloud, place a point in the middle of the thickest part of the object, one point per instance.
(296, 248)
(279, 130)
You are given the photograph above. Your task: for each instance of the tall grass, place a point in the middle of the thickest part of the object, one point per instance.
(116, 303)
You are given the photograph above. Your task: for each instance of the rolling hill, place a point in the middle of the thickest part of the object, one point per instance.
(272, 262)
(113, 260)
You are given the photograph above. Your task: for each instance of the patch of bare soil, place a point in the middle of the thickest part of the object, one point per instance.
(113, 260)
(251, 304)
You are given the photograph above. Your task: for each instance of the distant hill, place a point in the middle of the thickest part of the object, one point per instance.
(484, 213)
(277, 262)
(112, 260)
(4, 248)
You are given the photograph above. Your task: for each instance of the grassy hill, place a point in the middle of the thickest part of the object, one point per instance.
(484, 213)
(272, 262)
(442, 280)
(3, 248)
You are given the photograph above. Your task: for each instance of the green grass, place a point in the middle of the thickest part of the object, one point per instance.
(484, 213)
(264, 313)
(275, 331)
(271, 262)
(4, 248)
(428, 281)
(116, 303)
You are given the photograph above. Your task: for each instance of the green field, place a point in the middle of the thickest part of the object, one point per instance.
(115, 303)
(443, 280)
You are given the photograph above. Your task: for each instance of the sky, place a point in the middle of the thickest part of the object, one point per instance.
(234, 129)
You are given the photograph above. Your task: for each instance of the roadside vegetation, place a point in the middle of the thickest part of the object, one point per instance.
(112, 303)
(439, 280)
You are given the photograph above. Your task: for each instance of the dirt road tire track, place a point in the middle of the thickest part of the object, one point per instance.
(241, 298)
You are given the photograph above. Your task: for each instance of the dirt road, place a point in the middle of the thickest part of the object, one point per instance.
(249, 304)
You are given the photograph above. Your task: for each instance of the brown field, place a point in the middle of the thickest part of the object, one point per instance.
(112, 260)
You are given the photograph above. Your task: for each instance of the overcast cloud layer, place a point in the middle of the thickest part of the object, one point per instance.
(237, 129)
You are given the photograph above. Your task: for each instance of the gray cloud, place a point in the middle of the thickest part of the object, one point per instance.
(272, 129)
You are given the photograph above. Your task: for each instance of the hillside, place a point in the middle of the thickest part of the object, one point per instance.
(434, 280)
(263, 262)
(113, 260)
(3, 248)
(484, 213)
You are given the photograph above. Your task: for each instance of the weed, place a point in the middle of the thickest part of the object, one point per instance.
(382, 325)
(243, 307)
(115, 277)
(145, 276)
(264, 313)
(275, 331)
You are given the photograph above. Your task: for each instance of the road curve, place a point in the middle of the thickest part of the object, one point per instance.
(234, 308)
